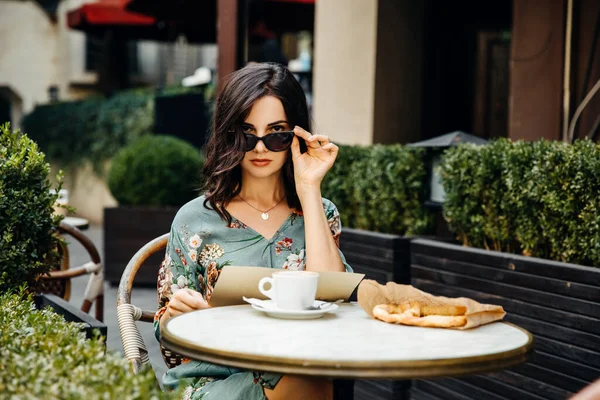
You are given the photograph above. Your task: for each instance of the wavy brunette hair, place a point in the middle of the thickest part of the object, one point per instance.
(224, 150)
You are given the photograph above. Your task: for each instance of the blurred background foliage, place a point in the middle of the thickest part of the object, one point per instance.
(95, 129)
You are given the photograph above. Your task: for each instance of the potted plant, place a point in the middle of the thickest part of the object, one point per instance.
(528, 217)
(29, 240)
(150, 178)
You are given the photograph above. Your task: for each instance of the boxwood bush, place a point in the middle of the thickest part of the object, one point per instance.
(28, 238)
(44, 357)
(156, 171)
(535, 198)
(380, 188)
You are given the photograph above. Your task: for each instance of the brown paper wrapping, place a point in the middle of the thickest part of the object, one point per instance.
(371, 293)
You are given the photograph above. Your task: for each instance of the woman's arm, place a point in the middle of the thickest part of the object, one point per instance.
(176, 282)
(309, 170)
(321, 250)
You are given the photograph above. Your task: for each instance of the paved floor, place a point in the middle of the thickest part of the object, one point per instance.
(144, 298)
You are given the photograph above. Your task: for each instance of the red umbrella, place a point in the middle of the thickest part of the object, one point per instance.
(96, 18)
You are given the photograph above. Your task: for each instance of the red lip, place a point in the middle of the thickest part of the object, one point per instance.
(260, 162)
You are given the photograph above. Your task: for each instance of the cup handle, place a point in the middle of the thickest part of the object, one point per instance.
(261, 287)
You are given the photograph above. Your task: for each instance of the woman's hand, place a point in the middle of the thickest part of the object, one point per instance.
(310, 167)
(185, 300)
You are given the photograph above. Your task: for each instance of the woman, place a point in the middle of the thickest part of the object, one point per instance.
(262, 206)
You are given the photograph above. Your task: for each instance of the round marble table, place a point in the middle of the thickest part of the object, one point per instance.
(347, 343)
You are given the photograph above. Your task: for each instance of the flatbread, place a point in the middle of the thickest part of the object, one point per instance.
(415, 313)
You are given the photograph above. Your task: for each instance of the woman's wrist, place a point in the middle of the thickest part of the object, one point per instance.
(308, 191)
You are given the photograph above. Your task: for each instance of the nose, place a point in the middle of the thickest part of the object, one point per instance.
(260, 147)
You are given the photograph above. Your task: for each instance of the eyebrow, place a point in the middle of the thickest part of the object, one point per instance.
(271, 124)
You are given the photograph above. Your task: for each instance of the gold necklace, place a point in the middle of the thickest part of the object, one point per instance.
(264, 214)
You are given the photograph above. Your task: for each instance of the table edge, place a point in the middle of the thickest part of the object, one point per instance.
(356, 369)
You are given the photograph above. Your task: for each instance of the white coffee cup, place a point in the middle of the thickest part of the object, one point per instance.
(291, 290)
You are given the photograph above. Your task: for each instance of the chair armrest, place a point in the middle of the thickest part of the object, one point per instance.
(86, 268)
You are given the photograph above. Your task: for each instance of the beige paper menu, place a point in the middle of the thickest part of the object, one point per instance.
(237, 281)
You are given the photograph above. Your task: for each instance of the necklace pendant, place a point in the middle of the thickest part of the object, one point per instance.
(265, 216)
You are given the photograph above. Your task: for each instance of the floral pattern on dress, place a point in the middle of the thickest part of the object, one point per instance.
(236, 224)
(165, 279)
(283, 245)
(295, 261)
(197, 266)
(211, 252)
(335, 225)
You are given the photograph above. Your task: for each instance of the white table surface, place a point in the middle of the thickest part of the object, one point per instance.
(345, 343)
(79, 223)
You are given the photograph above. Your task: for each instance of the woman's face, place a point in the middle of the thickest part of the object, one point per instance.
(267, 116)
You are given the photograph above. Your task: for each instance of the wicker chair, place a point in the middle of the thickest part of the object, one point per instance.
(58, 282)
(133, 344)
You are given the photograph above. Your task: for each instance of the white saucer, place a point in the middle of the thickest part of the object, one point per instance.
(269, 307)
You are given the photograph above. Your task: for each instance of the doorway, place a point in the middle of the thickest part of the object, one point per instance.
(466, 67)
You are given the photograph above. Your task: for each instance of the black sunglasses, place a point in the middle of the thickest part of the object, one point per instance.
(276, 141)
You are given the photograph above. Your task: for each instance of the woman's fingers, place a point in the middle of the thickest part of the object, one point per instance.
(194, 300)
(322, 139)
(304, 134)
(176, 308)
(331, 148)
(295, 148)
(186, 300)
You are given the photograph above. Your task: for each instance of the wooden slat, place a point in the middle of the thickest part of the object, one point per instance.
(559, 380)
(374, 274)
(530, 295)
(544, 389)
(559, 333)
(372, 238)
(376, 390)
(356, 258)
(501, 388)
(531, 265)
(558, 286)
(574, 368)
(377, 254)
(460, 386)
(569, 352)
(381, 262)
(433, 387)
(417, 394)
(560, 317)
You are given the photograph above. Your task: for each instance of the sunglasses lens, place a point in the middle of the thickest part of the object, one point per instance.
(278, 141)
(251, 141)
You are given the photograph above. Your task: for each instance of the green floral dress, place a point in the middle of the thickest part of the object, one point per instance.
(200, 245)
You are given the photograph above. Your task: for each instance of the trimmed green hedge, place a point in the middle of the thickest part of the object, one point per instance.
(44, 357)
(380, 188)
(156, 170)
(28, 238)
(540, 199)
